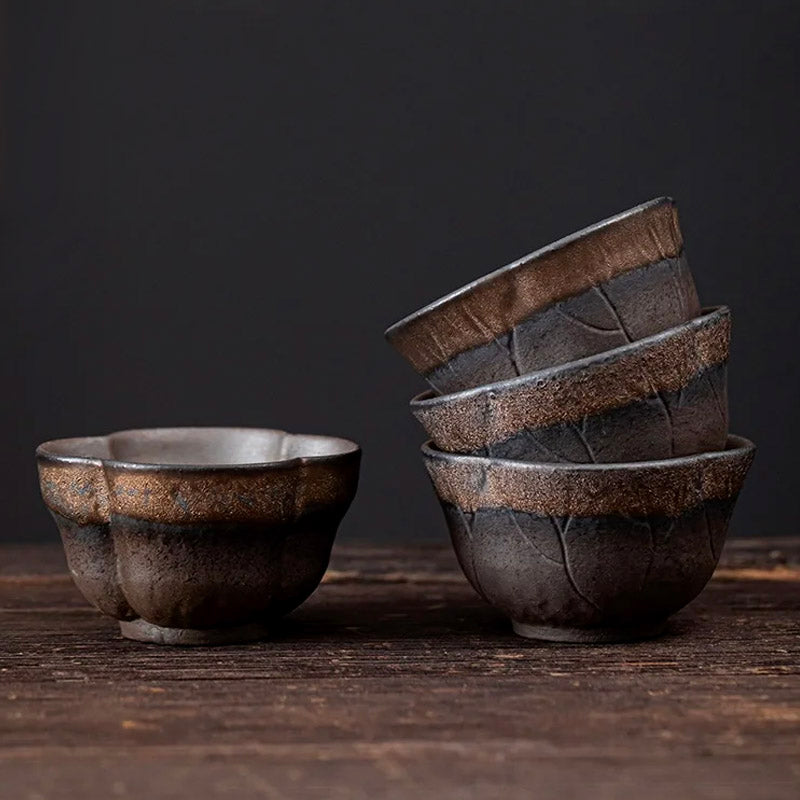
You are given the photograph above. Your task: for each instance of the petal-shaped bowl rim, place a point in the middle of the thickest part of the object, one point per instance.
(46, 452)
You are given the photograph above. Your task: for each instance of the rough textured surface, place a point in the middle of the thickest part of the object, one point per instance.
(659, 397)
(611, 283)
(628, 307)
(665, 425)
(177, 481)
(652, 488)
(604, 552)
(396, 680)
(202, 553)
(604, 578)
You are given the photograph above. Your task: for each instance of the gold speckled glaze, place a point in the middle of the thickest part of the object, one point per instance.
(643, 489)
(491, 306)
(198, 535)
(473, 419)
(90, 489)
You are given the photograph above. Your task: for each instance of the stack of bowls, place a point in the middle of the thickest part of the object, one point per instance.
(578, 429)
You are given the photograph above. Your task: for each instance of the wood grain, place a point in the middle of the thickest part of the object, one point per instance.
(396, 681)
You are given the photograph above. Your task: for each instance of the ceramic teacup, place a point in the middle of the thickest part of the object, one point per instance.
(589, 552)
(607, 285)
(198, 535)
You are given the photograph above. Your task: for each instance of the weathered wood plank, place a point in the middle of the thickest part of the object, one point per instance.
(396, 679)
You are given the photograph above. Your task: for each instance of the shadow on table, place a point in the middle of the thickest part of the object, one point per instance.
(408, 614)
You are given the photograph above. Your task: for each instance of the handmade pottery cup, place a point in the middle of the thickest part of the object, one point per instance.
(589, 552)
(608, 285)
(658, 397)
(198, 535)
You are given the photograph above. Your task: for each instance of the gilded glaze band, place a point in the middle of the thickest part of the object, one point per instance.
(665, 488)
(492, 306)
(667, 362)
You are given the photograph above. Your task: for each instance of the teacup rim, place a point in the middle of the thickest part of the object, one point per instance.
(528, 257)
(430, 397)
(44, 451)
(736, 447)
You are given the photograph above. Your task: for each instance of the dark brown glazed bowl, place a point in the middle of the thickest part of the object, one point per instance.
(198, 535)
(589, 552)
(600, 288)
(659, 397)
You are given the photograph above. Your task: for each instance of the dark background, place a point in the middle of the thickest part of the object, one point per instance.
(212, 210)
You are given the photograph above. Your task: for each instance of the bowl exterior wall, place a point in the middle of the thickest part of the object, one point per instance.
(666, 424)
(586, 572)
(183, 560)
(608, 548)
(629, 307)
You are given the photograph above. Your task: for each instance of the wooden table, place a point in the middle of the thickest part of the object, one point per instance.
(396, 681)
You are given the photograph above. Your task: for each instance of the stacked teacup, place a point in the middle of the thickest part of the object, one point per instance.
(578, 429)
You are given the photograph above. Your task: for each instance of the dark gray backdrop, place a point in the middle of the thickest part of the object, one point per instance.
(213, 209)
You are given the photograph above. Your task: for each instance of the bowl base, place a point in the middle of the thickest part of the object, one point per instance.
(555, 633)
(142, 631)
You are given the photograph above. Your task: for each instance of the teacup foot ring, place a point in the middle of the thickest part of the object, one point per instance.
(554, 633)
(142, 631)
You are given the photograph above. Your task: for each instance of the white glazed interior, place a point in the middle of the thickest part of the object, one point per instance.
(199, 446)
